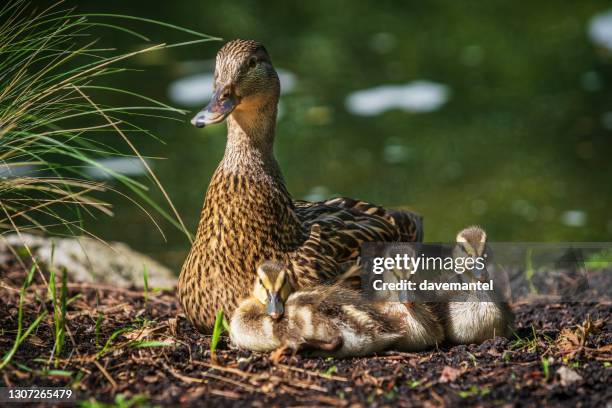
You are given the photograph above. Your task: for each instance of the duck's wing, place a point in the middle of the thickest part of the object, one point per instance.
(337, 229)
(402, 225)
(314, 261)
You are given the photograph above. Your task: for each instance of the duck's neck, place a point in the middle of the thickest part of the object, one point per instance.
(248, 193)
(250, 141)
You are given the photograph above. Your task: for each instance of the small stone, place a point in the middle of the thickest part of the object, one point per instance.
(567, 376)
(449, 374)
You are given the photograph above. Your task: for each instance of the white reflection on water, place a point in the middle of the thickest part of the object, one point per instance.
(13, 170)
(600, 29)
(417, 96)
(195, 90)
(192, 90)
(574, 218)
(128, 166)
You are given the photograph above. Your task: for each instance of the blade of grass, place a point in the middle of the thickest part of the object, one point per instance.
(145, 275)
(19, 337)
(216, 336)
(151, 343)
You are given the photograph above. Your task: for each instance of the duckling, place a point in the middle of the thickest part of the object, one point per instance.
(256, 323)
(329, 320)
(418, 323)
(473, 322)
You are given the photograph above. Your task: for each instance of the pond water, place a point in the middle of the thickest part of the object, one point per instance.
(470, 113)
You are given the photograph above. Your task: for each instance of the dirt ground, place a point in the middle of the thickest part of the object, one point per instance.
(124, 347)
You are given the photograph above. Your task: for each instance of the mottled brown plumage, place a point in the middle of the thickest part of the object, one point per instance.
(249, 215)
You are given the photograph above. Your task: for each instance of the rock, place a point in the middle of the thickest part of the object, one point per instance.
(568, 376)
(449, 374)
(90, 260)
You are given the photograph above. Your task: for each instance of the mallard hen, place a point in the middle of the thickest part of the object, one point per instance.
(248, 213)
(329, 320)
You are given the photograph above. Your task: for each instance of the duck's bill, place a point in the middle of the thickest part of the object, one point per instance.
(275, 308)
(215, 112)
(480, 273)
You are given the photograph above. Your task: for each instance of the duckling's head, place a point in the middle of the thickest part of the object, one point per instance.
(245, 82)
(472, 243)
(272, 288)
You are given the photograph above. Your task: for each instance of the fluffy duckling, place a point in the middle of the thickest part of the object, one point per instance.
(256, 325)
(331, 320)
(418, 323)
(474, 322)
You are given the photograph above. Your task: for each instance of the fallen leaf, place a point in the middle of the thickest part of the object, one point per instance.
(35, 340)
(139, 334)
(449, 374)
(568, 376)
(570, 341)
(587, 328)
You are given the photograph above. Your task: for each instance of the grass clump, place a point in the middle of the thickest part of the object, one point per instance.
(59, 311)
(55, 134)
(20, 336)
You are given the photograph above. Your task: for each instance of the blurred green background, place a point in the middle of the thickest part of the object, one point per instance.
(509, 124)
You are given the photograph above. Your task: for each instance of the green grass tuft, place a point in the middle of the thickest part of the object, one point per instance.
(54, 127)
(216, 335)
(59, 311)
(145, 276)
(20, 335)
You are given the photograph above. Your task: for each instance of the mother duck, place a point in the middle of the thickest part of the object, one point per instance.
(249, 215)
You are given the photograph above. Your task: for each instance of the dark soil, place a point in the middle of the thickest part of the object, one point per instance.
(526, 371)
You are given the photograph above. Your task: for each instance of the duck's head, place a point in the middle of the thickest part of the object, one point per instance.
(472, 243)
(245, 82)
(272, 288)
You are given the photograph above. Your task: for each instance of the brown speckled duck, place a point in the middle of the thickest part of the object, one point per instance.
(249, 215)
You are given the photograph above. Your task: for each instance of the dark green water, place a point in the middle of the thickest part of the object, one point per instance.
(522, 145)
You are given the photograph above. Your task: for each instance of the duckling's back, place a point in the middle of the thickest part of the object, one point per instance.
(337, 315)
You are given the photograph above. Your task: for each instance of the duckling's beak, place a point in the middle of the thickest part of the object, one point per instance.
(479, 272)
(275, 306)
(220, 106)
(403, 296)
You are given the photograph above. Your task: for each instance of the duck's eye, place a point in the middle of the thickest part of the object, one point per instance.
(252, 62)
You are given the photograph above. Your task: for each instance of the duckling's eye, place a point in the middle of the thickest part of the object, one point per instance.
(252, 62)
(463, 249)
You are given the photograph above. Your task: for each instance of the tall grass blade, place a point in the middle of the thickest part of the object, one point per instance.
(52, 125)
(216, 336)
(20, 337)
